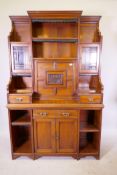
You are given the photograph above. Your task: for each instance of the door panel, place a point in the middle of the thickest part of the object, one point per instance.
(44, 130)
(62, 75)
(89, 58)
(67, 131)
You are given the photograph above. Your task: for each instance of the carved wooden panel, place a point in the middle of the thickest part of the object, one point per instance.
(56, 78)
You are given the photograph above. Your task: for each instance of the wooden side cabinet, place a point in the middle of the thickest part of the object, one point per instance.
(55, 94)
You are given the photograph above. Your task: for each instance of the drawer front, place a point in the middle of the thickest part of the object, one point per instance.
(19, 99)
(90, 99)
(55, 113)
(45, 113)
(68, 113)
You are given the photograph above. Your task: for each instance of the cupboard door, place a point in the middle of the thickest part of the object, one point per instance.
(44, 135)
(21, 59)
(71, 82)
(66, 135)
(55, 78)
(89, 58)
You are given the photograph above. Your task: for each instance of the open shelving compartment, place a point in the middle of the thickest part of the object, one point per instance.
(21, 129)
(54, 28)
(54, 38)
(55, 49)
(90, 120)
(90, 124)
(89, 143)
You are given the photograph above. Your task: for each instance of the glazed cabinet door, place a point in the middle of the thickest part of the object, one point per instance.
(44, 135)
(89, 58)
(20, 58)
(66, 135)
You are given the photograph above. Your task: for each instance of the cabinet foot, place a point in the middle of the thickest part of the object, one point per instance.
(14, 157)
(97, 157)
(75, 157)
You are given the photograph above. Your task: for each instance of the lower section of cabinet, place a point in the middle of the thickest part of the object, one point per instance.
(36, 133)
(56, 135)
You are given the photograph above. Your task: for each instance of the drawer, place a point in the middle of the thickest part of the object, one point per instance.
(45, 113)
(68, 113)
(19, 98)
(55, 113)
(90, 99)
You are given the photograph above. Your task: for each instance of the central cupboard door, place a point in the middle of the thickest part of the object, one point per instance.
(44, 135)
(55, 135)
(55, 78)
(67, 134)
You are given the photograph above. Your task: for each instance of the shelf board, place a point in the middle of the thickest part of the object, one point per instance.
(24, 91)
(25, 148)
(23, 120)
(21, 74)
(88, 149)
(88, 128)
(74, 20)
(53, 58)
(63, 40)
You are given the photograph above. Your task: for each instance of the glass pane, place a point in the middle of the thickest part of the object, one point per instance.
(21, 59)
(55, 79)
(89, 58)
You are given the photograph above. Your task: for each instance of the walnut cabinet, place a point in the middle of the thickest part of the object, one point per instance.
(55, 94)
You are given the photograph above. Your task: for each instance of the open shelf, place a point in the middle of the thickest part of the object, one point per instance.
(25, 148)
(54, 50)
(88, 128)
(20, 117)
(89, 143)
(61, 40)
(90, 120)
(23, 120)
(20, 84)
(89, 149)
(21, 139)
(60, 28)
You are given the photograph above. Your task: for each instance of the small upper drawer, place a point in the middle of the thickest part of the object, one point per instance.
(19, 98)
(68, 113)
(90, 99)
(45, 113)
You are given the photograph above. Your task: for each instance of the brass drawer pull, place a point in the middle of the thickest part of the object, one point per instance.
(90, 99)
(19, 99)
(66, 114)
(43, 114)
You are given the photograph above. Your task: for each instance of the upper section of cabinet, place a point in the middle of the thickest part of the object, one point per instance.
(54, 49)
